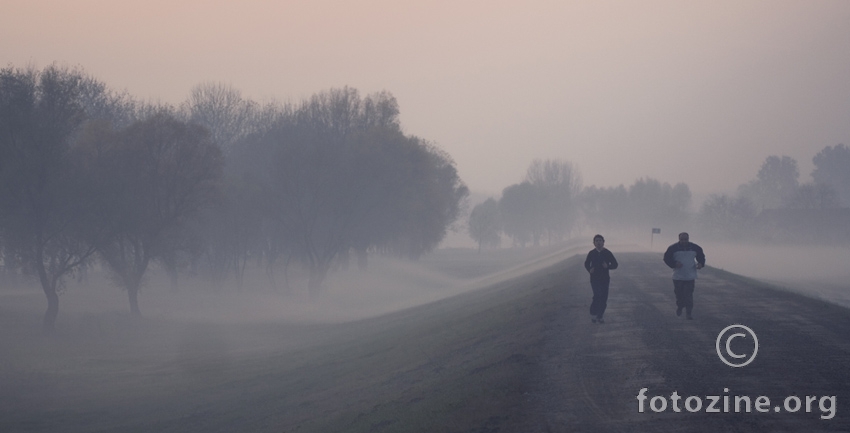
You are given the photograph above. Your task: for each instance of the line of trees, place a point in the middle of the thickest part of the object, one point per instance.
(92, 177)
(540, 208)
(777, 182)
(776, 192)
(551, 203)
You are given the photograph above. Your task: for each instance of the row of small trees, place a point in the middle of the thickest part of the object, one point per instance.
(89, 175)
(776, 187)
(550, 204)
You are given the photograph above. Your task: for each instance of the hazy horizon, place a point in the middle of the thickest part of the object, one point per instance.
(680, 92)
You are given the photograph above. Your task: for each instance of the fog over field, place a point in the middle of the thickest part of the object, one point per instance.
(252, 360)
(390, 284)
(373, 215)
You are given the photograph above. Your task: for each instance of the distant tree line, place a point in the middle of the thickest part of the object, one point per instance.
(776, 206)
(90, 176)
(550, 204)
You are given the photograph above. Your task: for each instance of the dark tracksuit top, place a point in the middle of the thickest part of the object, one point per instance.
(599, 279)
(594, 260)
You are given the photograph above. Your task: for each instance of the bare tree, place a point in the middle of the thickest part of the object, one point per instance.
(45, 199)
(158, 173)
(223, 111)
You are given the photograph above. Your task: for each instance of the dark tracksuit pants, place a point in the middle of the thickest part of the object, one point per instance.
(684, 290)
(600, 296)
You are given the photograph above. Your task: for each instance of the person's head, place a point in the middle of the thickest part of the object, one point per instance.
(684, 238)
(598, 241)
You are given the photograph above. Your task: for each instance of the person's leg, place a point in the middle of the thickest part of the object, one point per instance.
(677, 290)
(688, 297)
(596, 304)
(593, 302)
(603, 298)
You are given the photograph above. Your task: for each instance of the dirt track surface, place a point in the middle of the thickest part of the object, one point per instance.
(589, 375)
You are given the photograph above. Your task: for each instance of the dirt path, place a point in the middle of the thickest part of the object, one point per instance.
(590, 375)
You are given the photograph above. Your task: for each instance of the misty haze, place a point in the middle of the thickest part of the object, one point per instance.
(380, 217)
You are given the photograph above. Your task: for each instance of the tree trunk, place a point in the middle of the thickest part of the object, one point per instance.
(133, 295)
(52, 308)
(48, 285)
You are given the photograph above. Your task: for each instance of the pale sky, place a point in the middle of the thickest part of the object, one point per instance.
(682, 91)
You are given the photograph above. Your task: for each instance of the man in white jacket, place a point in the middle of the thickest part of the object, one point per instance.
(685, 258)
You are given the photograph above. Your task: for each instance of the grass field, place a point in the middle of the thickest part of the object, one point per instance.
(453, 364)
(461, 342)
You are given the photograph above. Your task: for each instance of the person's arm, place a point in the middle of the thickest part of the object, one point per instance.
(612, 262)
(668, 257)
(588, 262)
(700, 256)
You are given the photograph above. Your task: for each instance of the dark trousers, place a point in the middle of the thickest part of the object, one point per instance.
(684, 290)
(600, 296)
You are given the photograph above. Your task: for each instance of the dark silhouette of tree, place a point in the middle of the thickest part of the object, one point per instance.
(606, 208)
(728, 217)
(654, 203)
(485, 224)
(775, 182)
(45, 194)
(545, 203)
(813, 196)
(646, 203)
(336, 172)
(558, 185)
(431, 199)
(156, 175)
(522, 214)
(231, 232)
(224, 112)
(832, 167)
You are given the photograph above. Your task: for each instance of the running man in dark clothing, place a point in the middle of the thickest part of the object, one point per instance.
(599, 261)
(685, 258)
